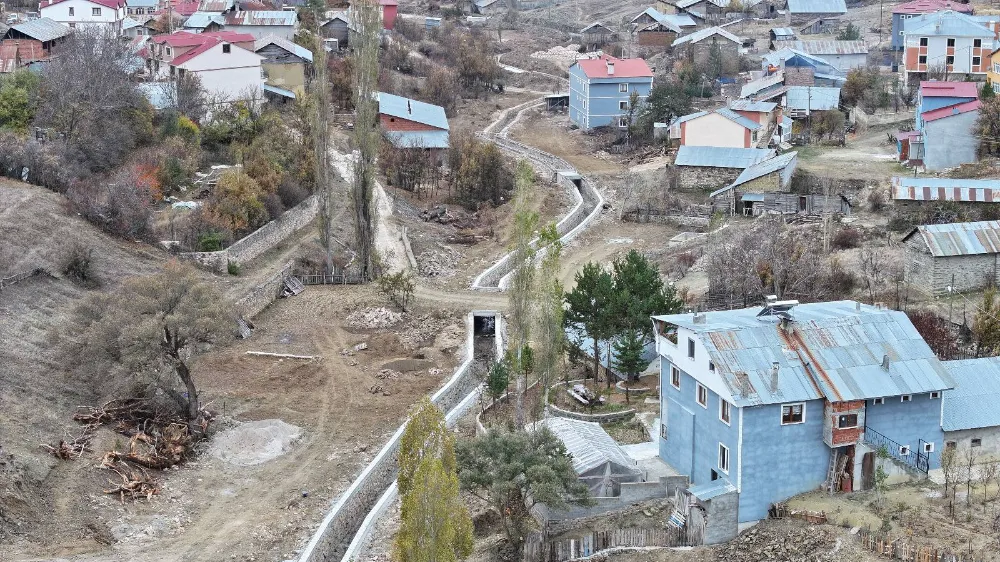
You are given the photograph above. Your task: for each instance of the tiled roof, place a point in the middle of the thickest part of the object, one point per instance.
(947, 24)
(934, 89)
(42, 29)
(972, 404)
(905, 188)
(957, 109)
(265, 17)
(421, 139)
(929, 6)
(295, 49)
(702, 34)
(587, 442)
(720, 157)
(623, 68)
(960, 238)
(817, 6)
(833, 350)
(829, 47)
(747, 105)
(413, 110)
(113, 4)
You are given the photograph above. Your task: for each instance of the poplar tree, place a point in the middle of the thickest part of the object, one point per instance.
(426, 435)
(986, 325)
(519, 293)
(551, 336)
(366, 134)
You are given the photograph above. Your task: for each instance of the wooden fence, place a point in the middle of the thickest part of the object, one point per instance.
(899, 549)
(8, 281)
(537, 549)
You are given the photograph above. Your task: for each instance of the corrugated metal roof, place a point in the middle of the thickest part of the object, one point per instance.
(960, 238)
(945, 189)
(814, 98)
(262, 17)
(972, 404)
(754, 197)
(720, 157)
(763, 83)
(419, 139)
(42, 29)
(588, 444)
(780, 32)
(832, 350)
(929, 6)
(705, 34)
(946, 23)
(760, 169)
(738, 119)
(217, 6)
(817, 6)
(748, 105)
(412, 110)
(297, 50)
(951, 110)
(673, 22)
(598, 27)
(711, 489)
(829, 47)
(142, 3)
(279, 91)
(201, 20)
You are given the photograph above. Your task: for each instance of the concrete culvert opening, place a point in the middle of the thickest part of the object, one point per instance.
(484, 325)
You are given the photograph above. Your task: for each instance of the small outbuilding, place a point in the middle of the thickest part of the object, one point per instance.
(596, 35)
(970, 417)
(597, 459)
(704, 168)
(800, 12)
(914, 195)
(961, 256)
(698, 46)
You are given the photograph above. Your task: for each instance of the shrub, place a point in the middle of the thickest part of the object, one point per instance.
(211, 242)
(79, 265)
(876, 200)
(121, 204)
(846, 238)
(233, 268)
(188, 130)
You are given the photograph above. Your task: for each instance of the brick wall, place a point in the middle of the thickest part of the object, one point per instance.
(399, 124)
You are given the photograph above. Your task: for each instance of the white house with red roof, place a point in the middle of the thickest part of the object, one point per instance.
(79, 14)
(224, 61)
(600, 90)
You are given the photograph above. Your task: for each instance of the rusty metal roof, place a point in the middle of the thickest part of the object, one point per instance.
(262, 17)
(830, 47)
(832, 350)
(960, 238)
(945, 189)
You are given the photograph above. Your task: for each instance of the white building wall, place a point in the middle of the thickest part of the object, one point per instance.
(83, 14)
(228, 76)
(261, 31)
(714, 130)
(989, 438)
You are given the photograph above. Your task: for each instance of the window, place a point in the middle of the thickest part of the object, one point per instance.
(976, 443)
(585, 104)
(95, 11)
(623, 105)
(623, 88)
(72, 12)
(754, 136)
(904, 450)
(996, 87)
(950, 59)
(935, 395)
(977, 43)
(715, 475)
(793, 413)
(226, 48)
(847, 421)
(976, 61)
(168, 51)
(928, 447)
(711, 366)
(922, 59)
(951, 42)
(923, 41)
(663, 431)
(702, 395)
(724, 458)
(950, 445)
(690, 348)
(905, 398)
(675, 377)
(878, 401)
(724, 413)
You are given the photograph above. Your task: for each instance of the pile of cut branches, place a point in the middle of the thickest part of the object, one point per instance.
(157, 440)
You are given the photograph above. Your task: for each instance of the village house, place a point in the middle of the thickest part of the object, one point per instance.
(698, 48)
(800, 101)
(84, 13)
(993, 72)
(909, 10)
(224, 62)
(285, 64)
(600, 90)
(780, 35)
(953, 257)
(412, 124)
(598, 460)
(142, 27)
(970, 417)
(204, 22)
(765, 188)
(717, 10)
(787, 398)
(338, 27)
(140, 8)
(260, 24)
(596, 35)
(842, 55)
(705, 168)
(485, 7)
(817, 15)
(722, 127)
(654, 29)
(914, 195)
(947, 43)
(944, 127)
(802, 69)
(35, 39)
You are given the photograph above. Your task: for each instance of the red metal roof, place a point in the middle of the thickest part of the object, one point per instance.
(623, 68)
(931, 6)
(950, 110)
(934, 89)
(185, 8)
(188, 39)
(113, 4)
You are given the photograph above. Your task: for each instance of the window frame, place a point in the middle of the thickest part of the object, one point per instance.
(928, 448)
(949, 59)
(623, 87)
(906, 398)
(725, 406)
(698, 389)
(975, 442)
(227, 48)
(663, 431)
(878, 401)
(72, 12)
(922, 42)
(95, 12)
(977, 43)
(950, 42)
(856, 419)
(723, 456)
(974, 63)
(691, 350)
(675, 373)
(934, 395)
(790, 407)
(622, 105)
(922, 59)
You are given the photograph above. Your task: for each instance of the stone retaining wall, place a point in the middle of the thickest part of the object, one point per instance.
(260, 240)
(261, 296)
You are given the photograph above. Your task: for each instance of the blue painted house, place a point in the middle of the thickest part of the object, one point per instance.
(600, 89)
(787, 398)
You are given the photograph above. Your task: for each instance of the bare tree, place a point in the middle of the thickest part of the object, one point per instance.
(874, 266)
(970, 457)
(950, 470)
(988, 472)
(366, 135)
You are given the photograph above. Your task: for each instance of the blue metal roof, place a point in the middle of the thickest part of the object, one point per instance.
(960, 238)
(711, 489)
(813, 98)
(413, 110)
(832, 350)
(201, 20)
(972, 404)
(946, 23)
(778, 163)
(720, 157)
(279, 91)
(817, 6)
(747, 105)
(418, 139)
(737, 118)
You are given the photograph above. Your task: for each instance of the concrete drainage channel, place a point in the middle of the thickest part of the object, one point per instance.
(589, 203)
(343, 534)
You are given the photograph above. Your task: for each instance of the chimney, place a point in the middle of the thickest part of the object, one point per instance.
(700, 318)
(409, 110)
(775, 367)
(611, 68)
(771, 299)
(885, 362)
(857, 306)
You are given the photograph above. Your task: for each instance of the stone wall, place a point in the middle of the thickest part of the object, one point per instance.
(345, 528)
(631, 493)
(261, 296)
(260, 240)
(702, 178)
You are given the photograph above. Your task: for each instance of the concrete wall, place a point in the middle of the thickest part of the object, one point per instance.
(908, 422)
(714, 130)
(722, 518)
(989, 437)
(950, 141)
(260, 240)
(631, 493)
